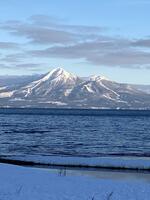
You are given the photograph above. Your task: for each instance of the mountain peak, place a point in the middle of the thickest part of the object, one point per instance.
(58, 72)
(98, 78)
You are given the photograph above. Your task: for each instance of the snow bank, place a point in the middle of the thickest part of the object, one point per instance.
(141, 163)
(20, 183)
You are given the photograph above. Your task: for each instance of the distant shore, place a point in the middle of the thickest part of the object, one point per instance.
(75, 111)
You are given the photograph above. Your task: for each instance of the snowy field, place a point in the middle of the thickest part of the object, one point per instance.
(20, 183)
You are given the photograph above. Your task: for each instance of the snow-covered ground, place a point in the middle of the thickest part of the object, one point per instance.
(20, 183)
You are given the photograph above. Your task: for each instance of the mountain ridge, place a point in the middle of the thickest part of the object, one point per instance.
(59, 88)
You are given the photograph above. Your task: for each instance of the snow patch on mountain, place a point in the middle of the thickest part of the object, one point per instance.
(6, 94)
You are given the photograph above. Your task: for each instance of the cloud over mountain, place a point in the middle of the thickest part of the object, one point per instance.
(48, 37)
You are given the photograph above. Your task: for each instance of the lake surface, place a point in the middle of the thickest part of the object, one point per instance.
(74, 132)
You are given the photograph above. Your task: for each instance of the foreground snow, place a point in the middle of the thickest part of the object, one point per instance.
(20, 183)
(141, 163)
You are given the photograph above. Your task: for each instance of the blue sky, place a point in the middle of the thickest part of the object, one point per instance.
(106, 37)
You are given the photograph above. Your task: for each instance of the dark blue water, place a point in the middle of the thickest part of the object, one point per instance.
(27, 132)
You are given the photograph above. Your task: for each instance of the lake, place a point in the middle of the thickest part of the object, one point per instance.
(74, 132)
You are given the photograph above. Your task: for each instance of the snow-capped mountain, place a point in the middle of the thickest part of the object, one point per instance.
(61, 88)
(56, 85)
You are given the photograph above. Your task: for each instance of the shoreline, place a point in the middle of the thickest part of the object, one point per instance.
(75, 111)
(115, 164)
